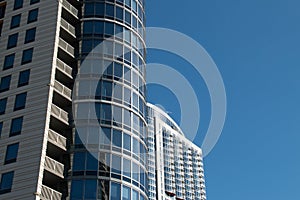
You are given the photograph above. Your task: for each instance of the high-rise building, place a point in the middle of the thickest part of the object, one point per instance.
(175, 166)
(73, 112)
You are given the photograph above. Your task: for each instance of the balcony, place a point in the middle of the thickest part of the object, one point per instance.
(70, 8)
(57, 139)
(63, 90)
(66, 47)
(68, 27)
(60, 114)
(64, 68)
(54, 167)
(50, 194)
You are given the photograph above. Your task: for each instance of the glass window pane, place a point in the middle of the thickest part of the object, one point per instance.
(99, 10)
(12, 40)
(88, 27)
(1, 127)
(127, 142)
(30, 35)
(110, 12)
(20, 101)
(6, 182)
(126, 193)
(135, 195)
(127, 117)
(99, 28)
(105, 136)
(5, 83)
(90, 189)
(18, 4)
(11, 153)
(79, 161)
(116, 164)
(9, 61)
(3, 103)
(106, 112)
(77, 189)
(24, 78)
(16, 126)
(15, 21)
(33, 15)
(117, 138)
(92, 161)
(118, 91)
(27, 56)
(115, 191)
(126, 167)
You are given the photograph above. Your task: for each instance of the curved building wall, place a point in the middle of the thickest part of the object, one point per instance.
(175, 163)
(109, 154)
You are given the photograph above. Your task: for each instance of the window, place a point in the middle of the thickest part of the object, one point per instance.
(15, 21)
(11, 153)
(6, 182)
(12, 40)
(8, 61)
(24, 78)
(3, 103)
(20, 101)
(27, 56)
(5, 83)
(90, 189)
(34, 1)
(127, 142)
(126, 193)
(16, 126)
(33, 15)
(117, 138)
(77, 189)
(30, 35)
(115, 191)
(2, 10)
(1, 127)
(18, 4)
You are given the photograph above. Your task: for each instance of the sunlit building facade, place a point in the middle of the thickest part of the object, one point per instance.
(73, 112)
(175, 163)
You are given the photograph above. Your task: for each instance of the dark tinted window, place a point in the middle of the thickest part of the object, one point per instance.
(24, 78)
(30, 35)
(16, 126)
(12, 40)
(34, 1)
(20, 101)
(27, 56)
(11, 153)
(15, 21)
(6, 182)
(5, 83)
(33, 15)
(18, 4)
(1, 127)
(8, 61)
(3, 103)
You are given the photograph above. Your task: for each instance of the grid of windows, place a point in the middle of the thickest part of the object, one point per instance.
(6, 182)
(11, 153)
(12, 40)
(15, 21)
(9, 61)
(20, 101)
(30, 35)
(27, 56)
(3, 103)
(16, 126)
(18, 4)
(5, 83)
(24, 78)
(33, 15)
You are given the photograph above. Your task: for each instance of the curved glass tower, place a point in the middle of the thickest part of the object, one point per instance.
(109, 103)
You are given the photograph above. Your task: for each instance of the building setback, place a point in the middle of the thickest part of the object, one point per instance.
(74, 120)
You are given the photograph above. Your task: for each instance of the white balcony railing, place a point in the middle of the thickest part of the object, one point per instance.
(68, 27)
(69, 7)
(54, 167)
(50, 194)
(64, 68)
(66, 47)
(60, 114)
(57, 139)
(63, 90)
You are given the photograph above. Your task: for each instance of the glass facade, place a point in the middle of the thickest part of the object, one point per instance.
(109, 158)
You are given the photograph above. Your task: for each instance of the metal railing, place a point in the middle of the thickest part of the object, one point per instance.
(54, 167)
(60, 113)
(63, 67)
(68, 27)
(57, 139)
(62, 89)
(70, 8)
(67, 47)
(50, 194)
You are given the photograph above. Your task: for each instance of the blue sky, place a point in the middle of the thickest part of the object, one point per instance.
(256, 46)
